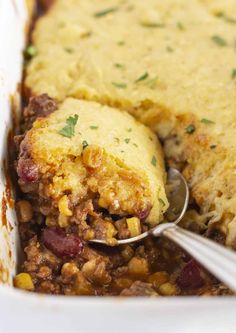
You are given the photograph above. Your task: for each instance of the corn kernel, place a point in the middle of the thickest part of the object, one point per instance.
(63, 221)
(110, 230)
(103, 203)
(92, 156)
(23, 281)
(122, 283)
(63, 206)
(168, 289)
(24, 211)
(134, 226)
(82, 285)
(89, 234)
(138, 267)
(158, 278)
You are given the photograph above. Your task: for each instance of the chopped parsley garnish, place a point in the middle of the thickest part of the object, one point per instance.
(119, 85)
(227, 18)
(30, 51)
(68, 50)
(190, 129)
(129, 129)
(93, 127)
(219, 40)
(152, 25)
(213, 146)
(127, 140)
(105, 12)
(85, 144)
(69, 130)
(121, 43)
(154, 161)
(161, 201)
(142, 77)
(151, 83)
(120, 66)
(207, 121)
(135, 145)
(180, 26)
(169, 49)
(234, 73)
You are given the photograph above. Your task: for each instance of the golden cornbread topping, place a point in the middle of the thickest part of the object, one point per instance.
(174, 69)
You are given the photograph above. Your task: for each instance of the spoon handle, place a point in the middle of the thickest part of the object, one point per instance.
(218, 260)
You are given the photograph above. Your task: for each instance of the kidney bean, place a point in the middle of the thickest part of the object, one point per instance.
(62, 244)
(142, 215)
(27, 170)
(190, 276)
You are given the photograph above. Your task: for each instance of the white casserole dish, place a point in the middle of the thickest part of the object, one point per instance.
(25, 312)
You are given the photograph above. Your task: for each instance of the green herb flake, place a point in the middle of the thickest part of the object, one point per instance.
(93, 127)
(69, 130)
(150, 138)
(152, 25)
(190, 129)
(213, 146)
(207, 121)
(119, 85)
(127, 140)
(135, 145)
(30, 51)
(233, 75)
(154, 161)
(129, 129)
(180, 26)
(105, 12)
(169, 49)
(121, 43)
(85, 144)
(219, 41)
(226, 18)
(142, 77)
(68, 50)
(230, 19)
(161, 202)
(120, 66)
(152, 82)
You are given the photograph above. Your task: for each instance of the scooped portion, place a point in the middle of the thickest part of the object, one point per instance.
(94, 171)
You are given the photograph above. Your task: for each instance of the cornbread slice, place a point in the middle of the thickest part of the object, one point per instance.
(171, 64)
(85, 151)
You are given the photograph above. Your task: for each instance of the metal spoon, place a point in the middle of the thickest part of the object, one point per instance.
(218, 260)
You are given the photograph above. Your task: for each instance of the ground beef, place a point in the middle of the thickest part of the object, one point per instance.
(129, 270)
(39, 106)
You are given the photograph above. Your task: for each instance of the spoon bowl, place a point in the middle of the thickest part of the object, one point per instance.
(217, 259)
(178, 196)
